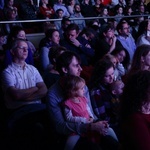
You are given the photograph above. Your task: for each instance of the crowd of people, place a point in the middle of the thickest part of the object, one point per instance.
(87, 85)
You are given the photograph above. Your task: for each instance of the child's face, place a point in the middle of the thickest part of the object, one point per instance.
(119, 88)
(81, 91)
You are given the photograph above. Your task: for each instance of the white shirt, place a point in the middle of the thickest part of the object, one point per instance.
(15, 76)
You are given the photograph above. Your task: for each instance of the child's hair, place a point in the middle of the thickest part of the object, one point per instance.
(114, 85)
(72, 84)
(110, 57)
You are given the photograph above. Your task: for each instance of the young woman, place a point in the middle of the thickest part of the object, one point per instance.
(51, 39)
(135, 112)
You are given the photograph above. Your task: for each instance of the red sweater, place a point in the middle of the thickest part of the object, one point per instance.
(136, 132)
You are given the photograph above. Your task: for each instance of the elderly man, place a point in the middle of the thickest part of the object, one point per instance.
(23, 89)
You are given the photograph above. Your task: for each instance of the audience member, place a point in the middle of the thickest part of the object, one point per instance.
(51, 39)
(23, 89)
(58, 15)
(141, 59)
(59, 5)
(101, 96)
(87, 7)
(104, 13)
(64, 24)
(9, 5)
(69, 63)
(77, 15)
(76, 108)
(10, 15)
(116, 89)
(125, 37)
(52, 74)
(119, 70)
(119, 13)
(135, 112)
(17, 32)
(70, 6)
(46, 11)
(144, 38)
(29, 11)
(122, 57)
(98, 7)
(108, 41)
(102, 77)
(78, 44)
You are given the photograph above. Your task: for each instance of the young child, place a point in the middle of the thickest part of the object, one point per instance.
(116, 89)
(76, 108)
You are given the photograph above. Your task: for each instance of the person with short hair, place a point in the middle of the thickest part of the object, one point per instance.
(68, 63)
(23, 89)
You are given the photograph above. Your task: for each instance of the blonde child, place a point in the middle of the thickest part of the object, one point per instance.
(76, 108)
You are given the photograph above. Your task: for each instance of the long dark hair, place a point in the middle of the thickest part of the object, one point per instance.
(99, 72)
(136, 93)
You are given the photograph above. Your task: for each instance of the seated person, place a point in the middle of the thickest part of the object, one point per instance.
(68, 63)
(23, 89)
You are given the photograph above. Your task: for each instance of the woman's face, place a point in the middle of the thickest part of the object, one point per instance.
(21, 35)
(109, 76)
(146, 60)
(55, 37)
(121, 56)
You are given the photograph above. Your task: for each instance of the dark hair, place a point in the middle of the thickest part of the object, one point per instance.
(126, 60)
(54, 53)
(50, 32)
(140, 51)
(99, 71)
(64, 60)
(73, 26)
(13, 33)
(136, 93)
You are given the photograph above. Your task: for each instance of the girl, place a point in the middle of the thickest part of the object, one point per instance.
(76, 108)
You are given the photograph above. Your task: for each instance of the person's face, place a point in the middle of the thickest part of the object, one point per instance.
(74, 67)
(121, 56)
(109, 76)
(109, 33)
(3, 40)
(120, 10)
(66, 24)
(21, 35)
(77, 8)
(119, 88)
(45, 1)
(60, 14)
(11, 2)
(21, 51)
(125, 31)
(148, 26)
(98, 2)
(114, 61)
(72, 34)
(80, 92)
(55, 37)
(60, 1)
(105, 12)
(146, 59)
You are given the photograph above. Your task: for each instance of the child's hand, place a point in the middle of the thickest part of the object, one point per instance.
(90, 120)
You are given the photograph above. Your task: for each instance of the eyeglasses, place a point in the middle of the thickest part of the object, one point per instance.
(127, 28)
(22, 47)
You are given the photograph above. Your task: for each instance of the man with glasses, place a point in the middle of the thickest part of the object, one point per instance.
(23, 89)
(126, 38)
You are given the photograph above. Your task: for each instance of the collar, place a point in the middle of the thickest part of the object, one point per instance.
(17, 66)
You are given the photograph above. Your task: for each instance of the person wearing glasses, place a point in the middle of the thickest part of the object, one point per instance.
(23, 89)
(125, 37)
